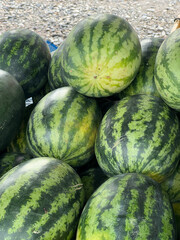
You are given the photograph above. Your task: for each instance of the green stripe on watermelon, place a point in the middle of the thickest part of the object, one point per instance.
(40, 199)
(144, 80)
(101, 55)
(167, 71)
(55, 78)
(64, 125)
(172, 187)
(26, 56)
(140, 134)
(127, 206)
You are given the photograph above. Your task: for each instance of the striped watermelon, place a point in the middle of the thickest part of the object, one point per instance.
(12, 105)
(92, 179)
(172, 187)
(25, 55)
(10, 160)
(167, 70)
(55, 78)
(40, 199)
(100, 56)
(127, 206)
(63, 125)
(140, 134)
(144, 80)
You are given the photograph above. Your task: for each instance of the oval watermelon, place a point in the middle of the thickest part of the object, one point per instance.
(64, 125)
(127, 206)
(167, 70)
(40, 199)
(140, 134)
(25, 55)
(100, 56)
(12, 105)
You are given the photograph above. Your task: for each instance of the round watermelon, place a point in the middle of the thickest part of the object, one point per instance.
(127, 206)
(25, 55)
(167, 70)
(140, 134)
(144, 80)
(64, 125)
(40, 199)
(12, 105)
(55, 69)
(101, 55)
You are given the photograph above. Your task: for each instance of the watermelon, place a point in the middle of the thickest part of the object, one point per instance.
(25, 55)
(46, 89)
(140, 133)
(55, 78)
(40, 199)
(167, 70)
(10, 160)
(12, 105)
(19, 143)
(144, 80)
(127, 206)
(100, 56)
(92, 179)
(63, 125)
(172, 187)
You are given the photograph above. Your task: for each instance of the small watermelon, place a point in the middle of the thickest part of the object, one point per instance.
(41, 198)
(128, 206)
(101, 55)
(140, 133)
(25, 55)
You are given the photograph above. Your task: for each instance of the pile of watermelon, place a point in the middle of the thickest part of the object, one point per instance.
(90, 134)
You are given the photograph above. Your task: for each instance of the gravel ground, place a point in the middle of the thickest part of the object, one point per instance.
(54, 19)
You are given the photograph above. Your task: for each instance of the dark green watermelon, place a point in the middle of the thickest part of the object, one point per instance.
(128, 206)
(25, 55)
(40, 199)
(19, 143)
(92, 179)
(140, 134)
(12, 105)
(10, 160)
(64, 125)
